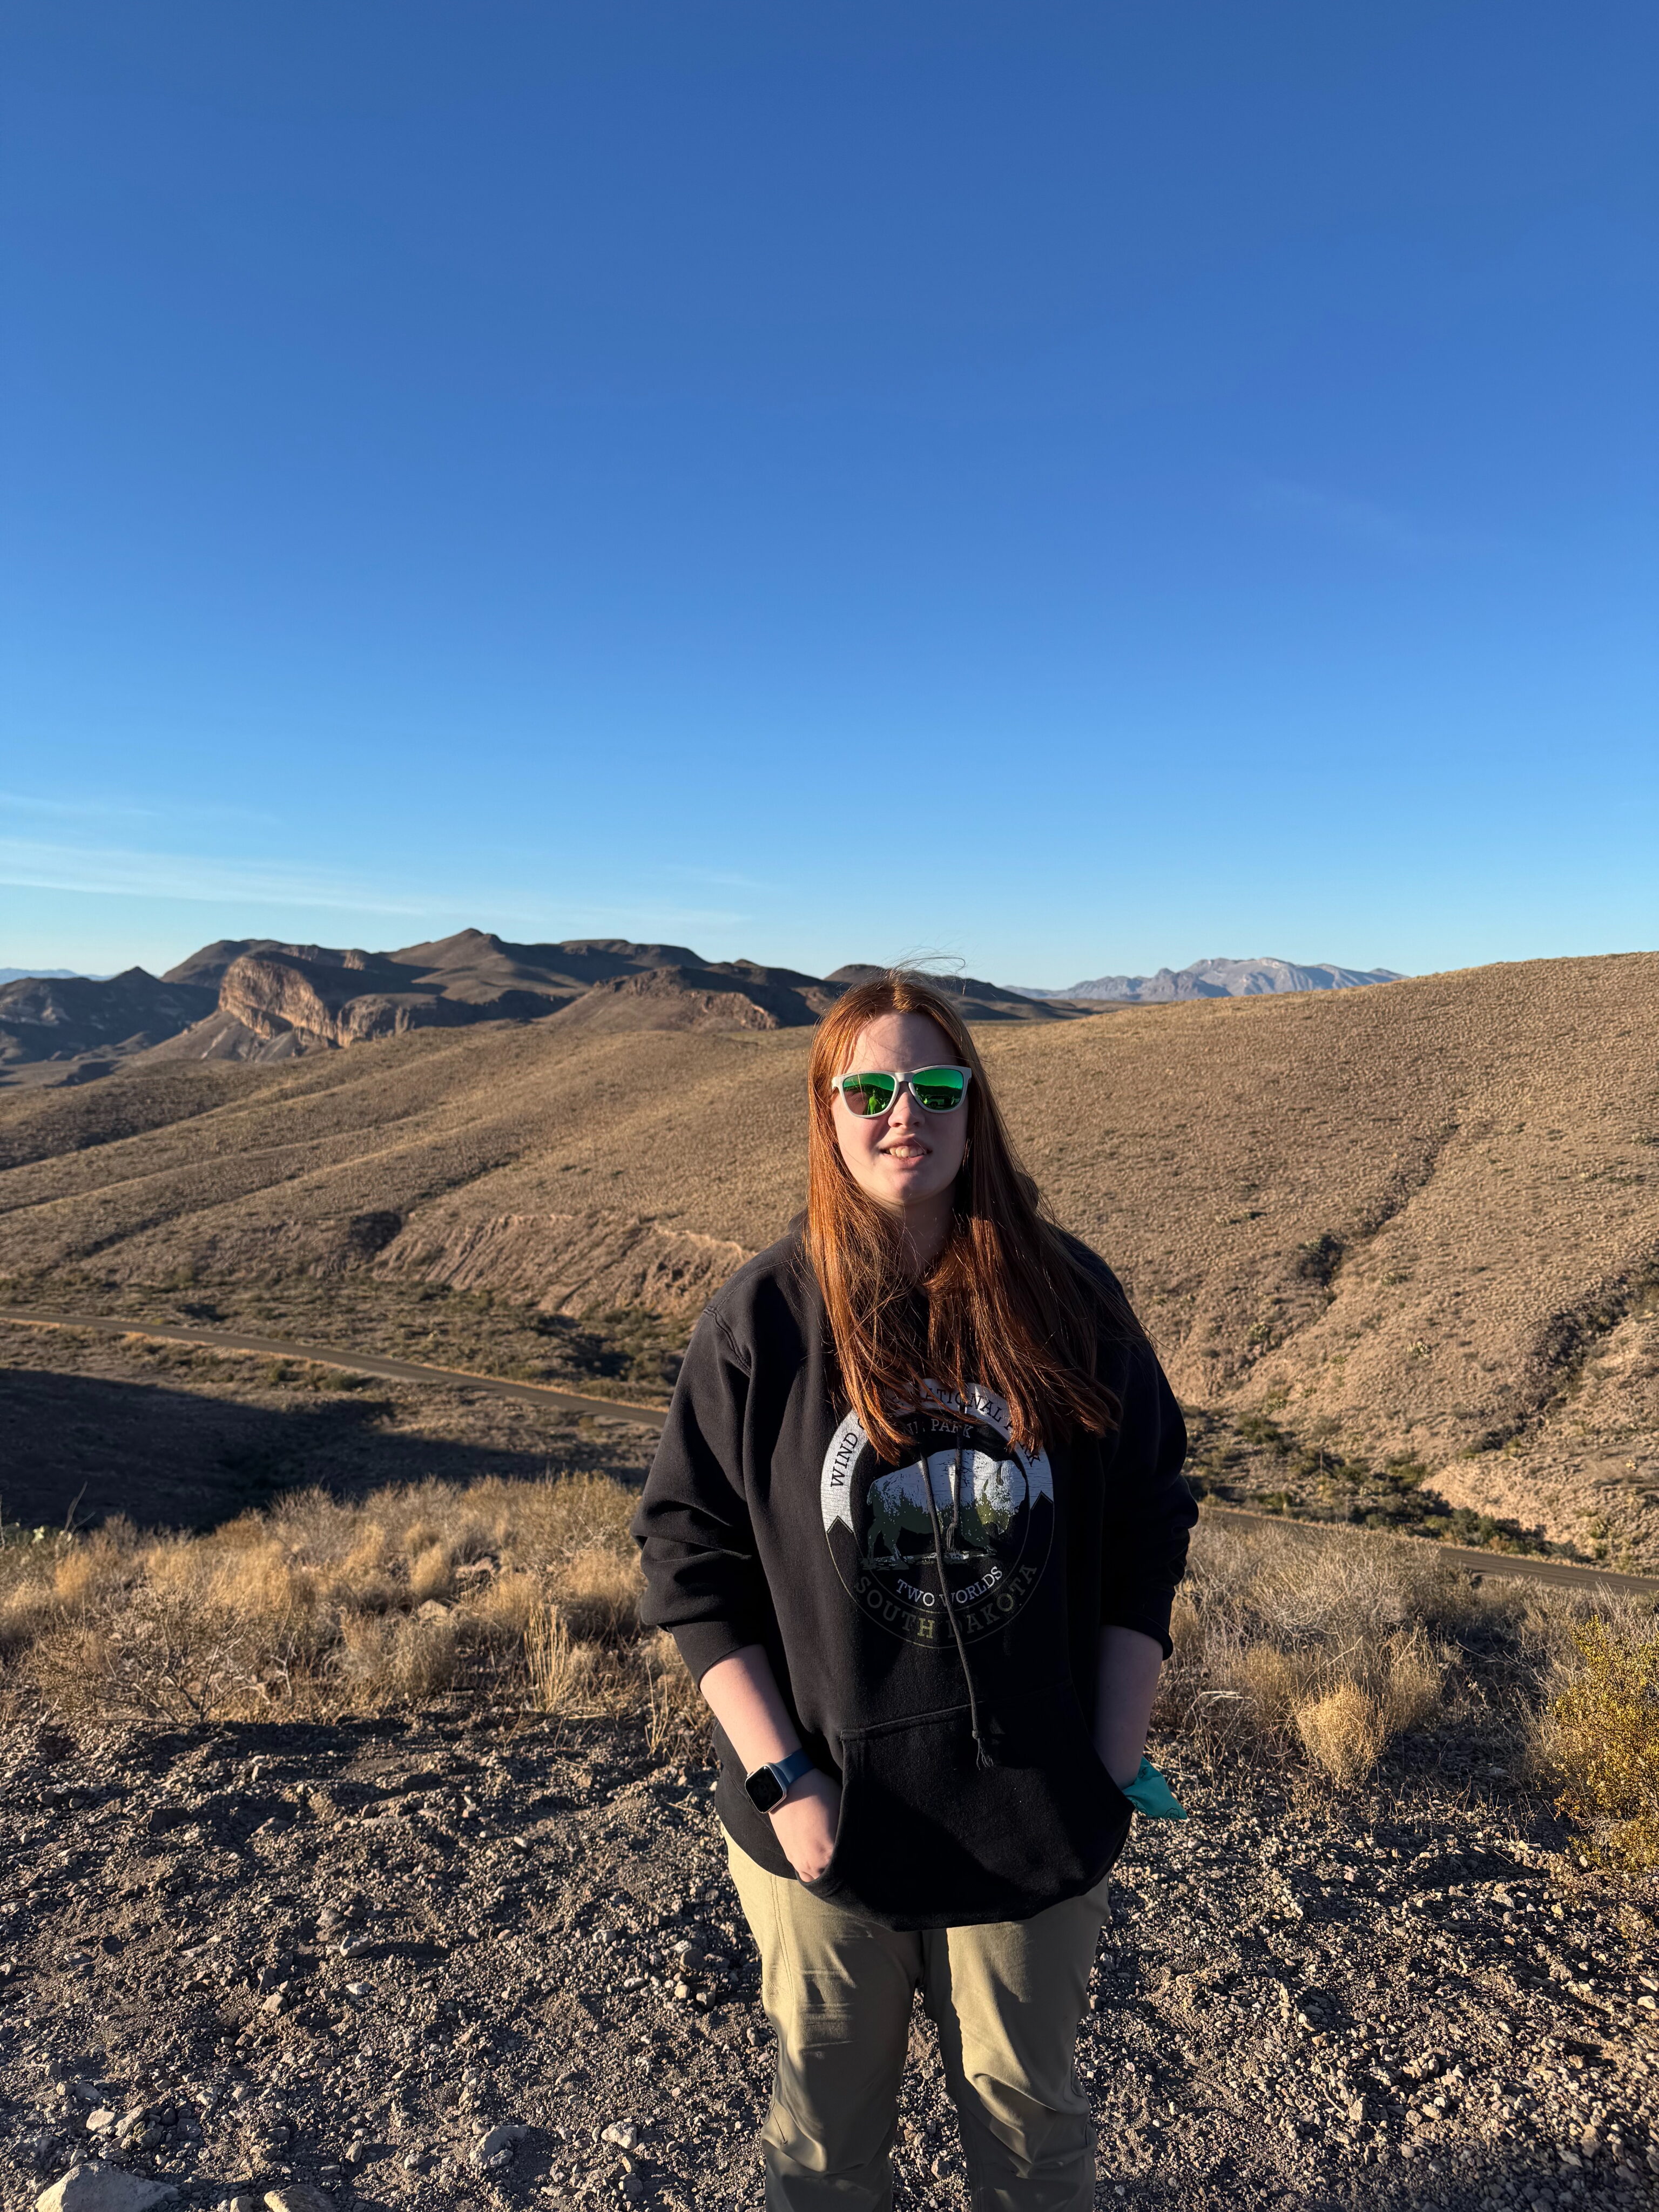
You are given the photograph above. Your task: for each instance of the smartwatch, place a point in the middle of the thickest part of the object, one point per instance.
(768, 1786)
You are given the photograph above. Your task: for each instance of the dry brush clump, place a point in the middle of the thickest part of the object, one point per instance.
(1327, 1651)
(1313, 1651)
(322, 1606)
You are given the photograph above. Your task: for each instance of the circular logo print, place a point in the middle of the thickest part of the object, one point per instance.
(965, 1525)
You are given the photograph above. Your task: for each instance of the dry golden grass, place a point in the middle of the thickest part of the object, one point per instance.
(319, 1607)
(1306, 1651)
(1343, 1731)
(1325, 1651)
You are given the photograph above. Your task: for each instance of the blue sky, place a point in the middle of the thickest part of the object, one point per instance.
(1066, 487)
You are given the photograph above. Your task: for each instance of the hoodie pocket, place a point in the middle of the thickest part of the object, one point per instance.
(929, 1838)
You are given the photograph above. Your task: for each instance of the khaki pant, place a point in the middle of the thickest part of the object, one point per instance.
(1006, 2000)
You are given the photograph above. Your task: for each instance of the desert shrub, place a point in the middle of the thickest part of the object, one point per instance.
(1261, 1430)
(159, 1655)
(505, 1607)
(577, 1679)
(431, 1572)
(677, 1724)
(1272, 1624)
(1600, 1738)
(1409, 1683)
(86, 1573)
(1343, 1731)
(557, 1676)
(322, 1605)
(1311, 1648)
(392, 1658)
(26, 1610)
(600, 1592)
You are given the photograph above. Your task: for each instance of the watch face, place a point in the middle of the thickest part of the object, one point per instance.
(765, 1790)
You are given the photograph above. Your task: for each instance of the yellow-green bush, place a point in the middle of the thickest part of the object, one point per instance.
(1603, 1741)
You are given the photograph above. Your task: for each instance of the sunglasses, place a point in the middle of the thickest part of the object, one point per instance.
(940, 1090)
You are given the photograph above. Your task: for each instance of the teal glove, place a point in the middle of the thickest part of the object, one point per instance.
(1149, 1794)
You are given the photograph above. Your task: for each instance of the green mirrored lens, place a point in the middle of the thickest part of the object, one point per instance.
(939, 1088)
(868, 1094)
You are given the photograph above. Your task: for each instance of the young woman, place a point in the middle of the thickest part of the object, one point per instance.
(915, 1523)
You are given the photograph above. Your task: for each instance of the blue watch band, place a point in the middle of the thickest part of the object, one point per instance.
(789, 1770)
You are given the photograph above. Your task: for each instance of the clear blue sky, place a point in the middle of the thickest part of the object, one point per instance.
(1070, 487)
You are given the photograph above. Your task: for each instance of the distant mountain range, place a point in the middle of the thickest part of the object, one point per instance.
(49, 974)
(1221, 979)
(254, 998)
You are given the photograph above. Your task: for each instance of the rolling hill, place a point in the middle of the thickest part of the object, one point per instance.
(253, 999)
(1417, 1222)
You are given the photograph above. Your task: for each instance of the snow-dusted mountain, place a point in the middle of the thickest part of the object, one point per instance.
(1223, 979)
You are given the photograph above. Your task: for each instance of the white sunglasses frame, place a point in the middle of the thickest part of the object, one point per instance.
(900, 1081)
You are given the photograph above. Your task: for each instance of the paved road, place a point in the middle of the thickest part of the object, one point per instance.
(351, 1363)
(541, 1394)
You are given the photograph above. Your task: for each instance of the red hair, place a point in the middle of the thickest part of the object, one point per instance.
(1009, 1302)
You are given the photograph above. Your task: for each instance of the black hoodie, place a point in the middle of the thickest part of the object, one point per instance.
(958, 1718)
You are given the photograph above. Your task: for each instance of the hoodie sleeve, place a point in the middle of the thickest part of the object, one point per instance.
(1148, 1508)
(703, 1581)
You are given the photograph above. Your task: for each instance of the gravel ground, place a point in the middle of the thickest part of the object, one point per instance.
(241, 1959)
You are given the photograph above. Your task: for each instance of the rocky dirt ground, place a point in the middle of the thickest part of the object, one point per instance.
(488, 1961)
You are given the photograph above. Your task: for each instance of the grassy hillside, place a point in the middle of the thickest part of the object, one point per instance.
(1382, 1234)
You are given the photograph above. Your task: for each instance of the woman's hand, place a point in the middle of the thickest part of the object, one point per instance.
(805, 1824)
(741, 1693)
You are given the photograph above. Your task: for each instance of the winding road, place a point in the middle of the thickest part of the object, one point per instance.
(350, 1363)
(1567, 1572)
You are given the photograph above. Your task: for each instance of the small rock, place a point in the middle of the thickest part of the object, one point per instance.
(95, 2188)
(495, 2149)
(625, 2134)
(298, 2196)
(98, 2121)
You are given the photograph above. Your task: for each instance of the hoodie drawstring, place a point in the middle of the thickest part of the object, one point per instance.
(981, 1753)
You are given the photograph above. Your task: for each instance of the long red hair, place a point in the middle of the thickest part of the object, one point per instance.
(1008, 1303)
